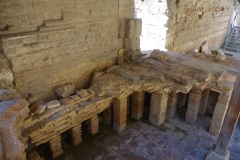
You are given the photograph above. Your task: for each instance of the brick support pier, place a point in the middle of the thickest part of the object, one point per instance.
(137, 105)
(204, 101)
(172, 104)
(219, 114)
(108, 116)
(93, 125)
(120, 113)
(76, 134)
(55, 146)
(158, 108)
(182, 99)
(195, 96)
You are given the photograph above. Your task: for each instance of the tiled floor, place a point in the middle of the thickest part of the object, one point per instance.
(175, 140)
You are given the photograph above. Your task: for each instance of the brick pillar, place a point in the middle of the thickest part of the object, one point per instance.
(137, 105)
(219, 114)
(195, 96)
(204, 102)
(120, 113)
(107, 115)
(93, 124)
(182, 99)
(172, 104)
(158, 108)
(75, 134)
(55, 146)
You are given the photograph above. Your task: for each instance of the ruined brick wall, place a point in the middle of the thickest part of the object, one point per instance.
(192, 22)
(50, 43)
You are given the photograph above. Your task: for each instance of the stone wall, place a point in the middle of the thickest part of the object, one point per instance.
(50, 43)
(183, 25)
(193, 22)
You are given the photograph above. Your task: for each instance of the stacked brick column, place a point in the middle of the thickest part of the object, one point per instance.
(75, 134)
(195, 96)
(137, 105)
(55, 146)
(158, 108)
(219, 114)
(107, 116)
(172, 104)
(182, 99)
(203, 102)
(93, 125)
(120, 113)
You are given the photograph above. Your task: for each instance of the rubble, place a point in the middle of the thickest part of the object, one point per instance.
(159, 55)
(220, 58)
(53, 104)
(35, 105)
(40, 109)
(66, 90)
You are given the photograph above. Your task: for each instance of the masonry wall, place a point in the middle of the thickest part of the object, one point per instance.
(193, 22)
(50, 43)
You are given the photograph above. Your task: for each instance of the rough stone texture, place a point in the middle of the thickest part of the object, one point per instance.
(8, 94)
(65, 90)
(40, 109)
(182, 26)
(159, 55)
(12, 114)
(220, 58)
(6, 74)
(74, 39)
(193, 22)
(35, 105)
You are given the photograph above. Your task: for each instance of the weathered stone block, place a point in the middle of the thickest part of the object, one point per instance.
(137, 27)
(40, 109)
(65, 90)
(35, 105)
(129, 31)
(132, 43)
(159, 55)
(53, 104)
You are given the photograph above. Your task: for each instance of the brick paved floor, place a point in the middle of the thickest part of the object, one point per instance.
(174, 140)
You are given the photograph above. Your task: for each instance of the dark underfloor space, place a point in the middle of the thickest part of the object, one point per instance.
(174, 140)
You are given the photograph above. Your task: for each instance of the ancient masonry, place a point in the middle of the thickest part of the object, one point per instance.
(158, 108)
(219, 113)
(172, 104)
(204, 102)
(195, 96)
(120, 113)
(109, 92)
(137, 104)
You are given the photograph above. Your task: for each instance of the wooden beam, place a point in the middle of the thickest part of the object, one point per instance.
(230, 120)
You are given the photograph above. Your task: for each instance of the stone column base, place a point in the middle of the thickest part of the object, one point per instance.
(215, 156)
